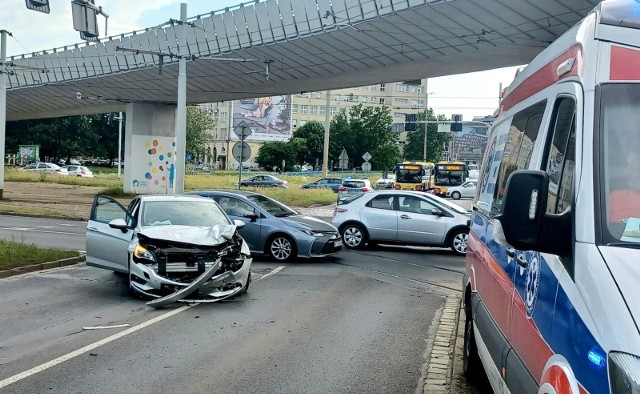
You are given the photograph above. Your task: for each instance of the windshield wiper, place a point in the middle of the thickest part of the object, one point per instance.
(625, 245)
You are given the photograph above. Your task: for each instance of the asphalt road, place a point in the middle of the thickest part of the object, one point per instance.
(58, 233)
(355, 323)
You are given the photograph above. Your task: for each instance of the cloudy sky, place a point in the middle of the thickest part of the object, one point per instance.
(468, 94)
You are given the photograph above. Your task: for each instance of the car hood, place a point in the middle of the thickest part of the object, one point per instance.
(207, 236)
(308, 223)
(624, 264)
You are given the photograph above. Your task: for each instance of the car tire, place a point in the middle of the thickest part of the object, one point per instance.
(456, 195)
(353, 236)
(458, 242)
(471, 363)
(281, 248)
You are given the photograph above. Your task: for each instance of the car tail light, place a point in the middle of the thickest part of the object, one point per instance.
(397, 187)
(340, 210)
(59, 170)
(342, 188)
(83, 172)
(366, 189)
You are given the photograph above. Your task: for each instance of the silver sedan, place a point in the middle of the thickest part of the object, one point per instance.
(402, 217)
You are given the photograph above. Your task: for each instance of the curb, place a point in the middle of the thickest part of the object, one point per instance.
(41, 266)
(441, 360)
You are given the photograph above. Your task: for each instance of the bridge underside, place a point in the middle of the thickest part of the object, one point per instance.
(328, 47)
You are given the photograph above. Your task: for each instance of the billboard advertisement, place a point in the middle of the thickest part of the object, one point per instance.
(29, 152)
(268, 117)
(153, 164)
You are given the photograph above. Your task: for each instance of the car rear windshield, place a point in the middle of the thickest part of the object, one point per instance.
(349, 198)
(357, 184)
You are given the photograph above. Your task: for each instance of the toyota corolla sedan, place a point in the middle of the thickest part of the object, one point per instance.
(404, 218)
(172, 248)
(273, 228)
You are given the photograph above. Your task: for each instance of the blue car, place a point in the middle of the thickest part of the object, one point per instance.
(274, 229)
(331, 183)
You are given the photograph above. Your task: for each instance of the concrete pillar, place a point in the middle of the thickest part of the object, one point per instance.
(150, 149)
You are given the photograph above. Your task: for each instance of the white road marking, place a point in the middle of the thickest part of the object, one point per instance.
(66, 224)
(46, 226)
(42, 367)
(35, 230)
(17, 228)
(275, 271)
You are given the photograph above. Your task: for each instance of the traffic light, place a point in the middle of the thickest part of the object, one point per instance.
(456, 126)
(410, 122)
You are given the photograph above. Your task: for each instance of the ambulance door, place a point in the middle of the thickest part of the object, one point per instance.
(537, 275)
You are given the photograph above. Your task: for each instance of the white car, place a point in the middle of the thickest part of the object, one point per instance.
(80, 171)
(386, 183)
(172, 248)
(466, 190)
(46, 167)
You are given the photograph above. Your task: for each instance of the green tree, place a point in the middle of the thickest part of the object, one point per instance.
(106, 129)
(436, 142)
(198, 125)
(312, 137)
(365, 129)
(271, 154)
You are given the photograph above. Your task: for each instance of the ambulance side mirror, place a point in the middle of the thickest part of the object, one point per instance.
(524, 220)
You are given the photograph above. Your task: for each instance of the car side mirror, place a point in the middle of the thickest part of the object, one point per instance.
(120, 224)
(437, 212)
(239, 224)
(251, 216)
(523, 218)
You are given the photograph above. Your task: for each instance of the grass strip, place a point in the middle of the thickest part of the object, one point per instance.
(15, 254)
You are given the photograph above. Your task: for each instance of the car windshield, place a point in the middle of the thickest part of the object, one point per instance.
(203, 213)
(357, 184)
(409, 176)
(271, 206)
(620, 175)
(454, 207)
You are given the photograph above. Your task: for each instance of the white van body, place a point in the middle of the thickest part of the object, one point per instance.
(552, 284)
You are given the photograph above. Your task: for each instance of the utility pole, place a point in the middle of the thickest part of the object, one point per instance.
(119, 143)
(327, 124)
(426, 117)
(181, 110)
(3, 104)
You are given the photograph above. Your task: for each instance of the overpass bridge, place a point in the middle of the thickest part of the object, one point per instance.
(302, 45)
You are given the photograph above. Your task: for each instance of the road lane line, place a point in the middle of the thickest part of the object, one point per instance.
(42, 367)
(275, 271)
(34, 230)
(68, 225)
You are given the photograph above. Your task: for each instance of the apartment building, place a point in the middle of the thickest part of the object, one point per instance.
(408, 97)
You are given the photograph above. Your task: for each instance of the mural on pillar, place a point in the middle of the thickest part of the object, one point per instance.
(154, 163)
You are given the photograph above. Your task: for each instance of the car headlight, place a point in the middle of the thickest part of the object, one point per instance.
(312, 233)
(142, 253)
(625, 373)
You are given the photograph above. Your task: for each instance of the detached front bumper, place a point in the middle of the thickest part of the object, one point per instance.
(189, 284)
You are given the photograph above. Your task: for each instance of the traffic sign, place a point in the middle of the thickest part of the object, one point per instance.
(241, 151)
(366, 156)
(242, 130)
(344, 159)
(366, 166)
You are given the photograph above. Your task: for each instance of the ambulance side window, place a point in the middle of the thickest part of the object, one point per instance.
(561, 155)
(518, 148)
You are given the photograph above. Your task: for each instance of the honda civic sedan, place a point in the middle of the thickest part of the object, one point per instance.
(170, 247)
(274, 229)
(404, 218)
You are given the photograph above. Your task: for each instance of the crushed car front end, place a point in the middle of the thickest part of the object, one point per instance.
(183, 263)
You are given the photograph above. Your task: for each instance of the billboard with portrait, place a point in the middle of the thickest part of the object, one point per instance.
(268, 117)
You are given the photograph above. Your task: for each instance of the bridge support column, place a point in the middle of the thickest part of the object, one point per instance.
(150, 149)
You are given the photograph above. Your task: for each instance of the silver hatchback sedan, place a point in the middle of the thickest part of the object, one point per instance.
(402, 217)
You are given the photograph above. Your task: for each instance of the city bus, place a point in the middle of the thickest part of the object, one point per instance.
(413, 175)
(447, 174)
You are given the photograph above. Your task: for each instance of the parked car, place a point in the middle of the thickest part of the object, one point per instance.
(165, 244)
(402, 217)
(264, 181)
(354, 186)
(323, 183)
(46, 167)
(386, 183)
(274, 229)
(80, 171)
(466, 190)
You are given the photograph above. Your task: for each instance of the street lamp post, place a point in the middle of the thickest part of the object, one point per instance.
(426, 117)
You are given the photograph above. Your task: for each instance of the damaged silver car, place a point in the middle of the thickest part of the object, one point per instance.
(172, 248)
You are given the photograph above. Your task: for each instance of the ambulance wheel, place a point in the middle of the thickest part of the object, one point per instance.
(471, 364)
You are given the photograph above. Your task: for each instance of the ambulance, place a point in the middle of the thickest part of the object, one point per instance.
(551, 294)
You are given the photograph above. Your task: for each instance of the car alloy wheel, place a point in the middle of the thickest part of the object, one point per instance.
(459, 242)
(456, 195)
(281, 248)
(353, 236)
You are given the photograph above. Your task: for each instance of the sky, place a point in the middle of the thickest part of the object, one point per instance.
(473, 94)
